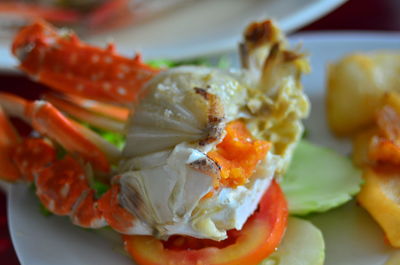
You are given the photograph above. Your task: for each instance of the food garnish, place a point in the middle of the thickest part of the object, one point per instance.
(319, 179)
(299, 233)
(372, 118)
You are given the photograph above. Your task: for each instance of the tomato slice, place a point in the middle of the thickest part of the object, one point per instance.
(259, 237)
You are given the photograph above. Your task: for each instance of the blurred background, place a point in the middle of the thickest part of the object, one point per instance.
(81, 15)
(95, 16)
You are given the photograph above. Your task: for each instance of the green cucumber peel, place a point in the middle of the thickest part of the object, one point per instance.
(319, 179)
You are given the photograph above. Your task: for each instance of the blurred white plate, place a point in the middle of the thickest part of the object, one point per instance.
(199, 27)
(352, 238)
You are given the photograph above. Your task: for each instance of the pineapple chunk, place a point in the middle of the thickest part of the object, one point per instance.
(380, 196)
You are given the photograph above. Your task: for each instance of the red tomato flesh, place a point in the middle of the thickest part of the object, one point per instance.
(259, 237)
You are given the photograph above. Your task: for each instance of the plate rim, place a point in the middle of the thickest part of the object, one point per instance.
(311, 11)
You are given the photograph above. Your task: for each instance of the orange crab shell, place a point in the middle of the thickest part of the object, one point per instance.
(81, 73)
(8, 139)
(116, 216)
(31, 156)
(60, 185)
(63, 62)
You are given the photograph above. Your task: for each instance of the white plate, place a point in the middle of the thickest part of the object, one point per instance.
(352, 238)
(200, 27)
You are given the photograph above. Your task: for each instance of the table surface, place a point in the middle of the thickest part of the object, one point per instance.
(353, 15)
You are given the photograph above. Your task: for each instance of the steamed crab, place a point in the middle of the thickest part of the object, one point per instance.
(202, 144)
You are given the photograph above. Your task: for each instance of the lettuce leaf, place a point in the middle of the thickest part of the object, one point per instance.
(223, 62)
(115, 138)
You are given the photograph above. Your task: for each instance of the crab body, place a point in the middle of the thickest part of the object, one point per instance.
(201, 144)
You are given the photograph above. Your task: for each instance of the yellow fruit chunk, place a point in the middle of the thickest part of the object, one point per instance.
(392, 99)
(380, 196)
(361, 143)
(356, 87)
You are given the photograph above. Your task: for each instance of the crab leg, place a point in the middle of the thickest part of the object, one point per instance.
(63, 62)
(85, 115)
(86, 212)
(47, 120)
(32, 155)
(63, 188)
(113, 154)
(21, 159)
(8, 140)
(117, 113)
(117, 217)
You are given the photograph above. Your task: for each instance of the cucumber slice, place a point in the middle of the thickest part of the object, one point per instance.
(303, 244)
(319, 179)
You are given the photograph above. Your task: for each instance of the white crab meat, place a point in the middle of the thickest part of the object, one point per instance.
(177, 107)
(166, 172)
(171, 192)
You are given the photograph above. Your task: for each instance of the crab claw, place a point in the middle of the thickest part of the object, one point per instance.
(8, 140)
(117, 217)
(63, 188)
(47, 120)
(60, 185)
(32, 155)
(83, 114)
(61, 61)
(86, 212)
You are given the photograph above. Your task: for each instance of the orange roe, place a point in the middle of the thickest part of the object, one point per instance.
(238, 155)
